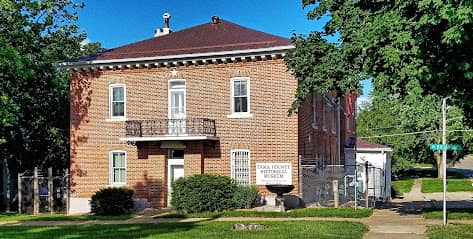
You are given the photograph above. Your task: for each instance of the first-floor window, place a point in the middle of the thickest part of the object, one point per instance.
(118, 167)
(241, 166)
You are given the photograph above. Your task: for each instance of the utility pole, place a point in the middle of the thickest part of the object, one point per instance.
(444, 158)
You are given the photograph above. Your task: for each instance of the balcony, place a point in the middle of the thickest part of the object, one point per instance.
(170, 129)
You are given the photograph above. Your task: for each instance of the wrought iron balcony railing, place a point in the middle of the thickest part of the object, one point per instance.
(171, 127)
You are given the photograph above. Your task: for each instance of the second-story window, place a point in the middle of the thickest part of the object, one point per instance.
(334, 118)
(314, 110)
(240, 92)
(117, 101)
(324, 114)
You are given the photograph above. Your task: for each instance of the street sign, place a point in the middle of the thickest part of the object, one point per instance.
(454, 147)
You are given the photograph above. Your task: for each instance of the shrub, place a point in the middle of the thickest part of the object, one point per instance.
(112, 201)
(245, 196)
(203, 193)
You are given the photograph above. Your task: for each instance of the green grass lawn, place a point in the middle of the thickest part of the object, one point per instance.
(453, 213)
(403, 185)
(431, 185)
(208, 230)
(304, 212)
(457, 231)
(59, 217)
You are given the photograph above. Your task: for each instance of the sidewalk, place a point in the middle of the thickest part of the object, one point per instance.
(402, 219)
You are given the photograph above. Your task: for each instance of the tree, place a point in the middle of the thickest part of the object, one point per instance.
(319, 66)
(396, 42)
(34, 93)
(388, 117)
(91, 47)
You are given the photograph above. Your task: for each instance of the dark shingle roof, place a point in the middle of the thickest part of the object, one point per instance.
(369, 145)
(204, 38)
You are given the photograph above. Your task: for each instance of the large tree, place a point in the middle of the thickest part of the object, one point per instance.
(410, 124)
(34, 93)
(398, 41)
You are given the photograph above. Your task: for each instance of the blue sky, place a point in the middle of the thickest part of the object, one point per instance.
(119, 22)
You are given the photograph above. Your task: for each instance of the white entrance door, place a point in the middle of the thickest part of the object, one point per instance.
(175, 169)
(177, 107)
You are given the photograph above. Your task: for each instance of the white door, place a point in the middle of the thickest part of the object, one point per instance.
(175, 169)
(177, 107)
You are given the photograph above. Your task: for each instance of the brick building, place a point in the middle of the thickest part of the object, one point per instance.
(208, 99)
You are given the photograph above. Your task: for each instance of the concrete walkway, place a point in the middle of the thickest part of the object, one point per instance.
(401, 219)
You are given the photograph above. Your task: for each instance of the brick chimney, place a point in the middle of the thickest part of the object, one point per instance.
(165, 30)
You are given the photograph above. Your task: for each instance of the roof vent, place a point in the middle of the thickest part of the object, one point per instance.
(166, 30)
(215, 20)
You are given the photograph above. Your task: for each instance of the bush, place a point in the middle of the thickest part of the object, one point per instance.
(112, 201)
(203, 193)
(245, 196)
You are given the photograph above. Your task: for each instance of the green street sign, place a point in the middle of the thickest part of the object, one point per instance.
(454, 147)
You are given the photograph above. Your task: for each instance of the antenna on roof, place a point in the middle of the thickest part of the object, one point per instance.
(165, 30)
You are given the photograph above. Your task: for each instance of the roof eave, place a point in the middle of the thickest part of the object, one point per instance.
(271, 51)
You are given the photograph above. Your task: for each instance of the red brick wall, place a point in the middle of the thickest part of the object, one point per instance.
(316, 140)
(270, 135)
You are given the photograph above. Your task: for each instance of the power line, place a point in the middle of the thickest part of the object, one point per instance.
(411, 133)
(400, 134)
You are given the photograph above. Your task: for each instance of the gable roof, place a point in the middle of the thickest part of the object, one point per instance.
(363, 144)
(224, 36)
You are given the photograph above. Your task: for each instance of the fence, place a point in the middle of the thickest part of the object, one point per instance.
(340, 185)
(42, 192)
(321, 184)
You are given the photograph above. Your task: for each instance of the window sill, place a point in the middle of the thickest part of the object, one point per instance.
(117, 185)
(314, 126)
(240, 116)
(116, 119)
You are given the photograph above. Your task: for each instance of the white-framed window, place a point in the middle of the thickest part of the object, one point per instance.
(177, 99)
(324, 113)
(118, 167)
(240, 163)
(314, 110)
(240, 95)
(334, 118)
(117, 93)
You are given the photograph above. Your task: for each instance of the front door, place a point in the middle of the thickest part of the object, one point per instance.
(175, 169)
(177, 107)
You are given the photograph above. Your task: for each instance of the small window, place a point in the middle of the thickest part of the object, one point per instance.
(240, 91)
(314, 110)
(117, 101)
(240, 163)
(118, 167)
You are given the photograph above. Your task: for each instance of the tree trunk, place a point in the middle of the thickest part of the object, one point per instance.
(438, 160)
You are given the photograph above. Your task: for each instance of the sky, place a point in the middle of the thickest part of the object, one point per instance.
(118, 22)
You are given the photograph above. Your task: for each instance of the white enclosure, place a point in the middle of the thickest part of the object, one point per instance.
(379, 168)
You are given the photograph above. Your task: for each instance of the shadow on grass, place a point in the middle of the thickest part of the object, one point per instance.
(183, 230)
(95, 231)
(421, 207)
(10, 216)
